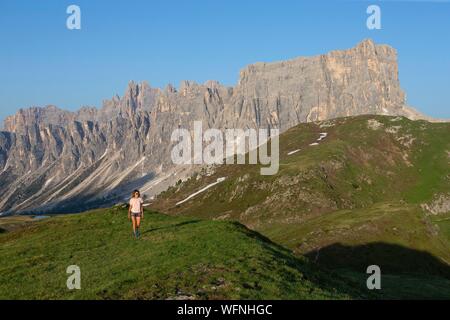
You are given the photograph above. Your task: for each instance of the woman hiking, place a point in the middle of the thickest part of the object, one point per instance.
(136, 212)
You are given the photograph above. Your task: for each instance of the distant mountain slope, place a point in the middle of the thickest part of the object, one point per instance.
(55, 160)
(176, 258)
(360, 161)
(373, 190)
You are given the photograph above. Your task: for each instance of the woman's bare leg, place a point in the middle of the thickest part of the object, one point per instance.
(133, 219)
(138, 222)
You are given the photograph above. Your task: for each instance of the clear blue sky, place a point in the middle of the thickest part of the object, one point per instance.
(42, 62)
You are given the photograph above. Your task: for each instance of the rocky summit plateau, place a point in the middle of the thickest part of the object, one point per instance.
(52, 160)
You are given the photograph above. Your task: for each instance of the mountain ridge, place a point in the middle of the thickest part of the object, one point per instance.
(87, 112)
(52, 159)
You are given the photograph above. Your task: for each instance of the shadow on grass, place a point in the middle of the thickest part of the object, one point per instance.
(391, 258)
(324, 279)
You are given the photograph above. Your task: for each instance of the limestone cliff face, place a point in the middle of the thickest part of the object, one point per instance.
(51, 159)
(342, 83)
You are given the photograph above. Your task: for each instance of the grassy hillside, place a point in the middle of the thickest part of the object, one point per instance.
(176, 258)
(355, 199)
(363, 161)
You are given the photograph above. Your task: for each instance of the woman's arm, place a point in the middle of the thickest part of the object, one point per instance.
(129, 211)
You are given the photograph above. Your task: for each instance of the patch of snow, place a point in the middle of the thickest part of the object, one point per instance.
(293, 152)
(323, 135)
(219, 180)
(314, 144)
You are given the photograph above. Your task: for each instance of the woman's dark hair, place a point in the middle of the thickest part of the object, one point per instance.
(134, 192)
